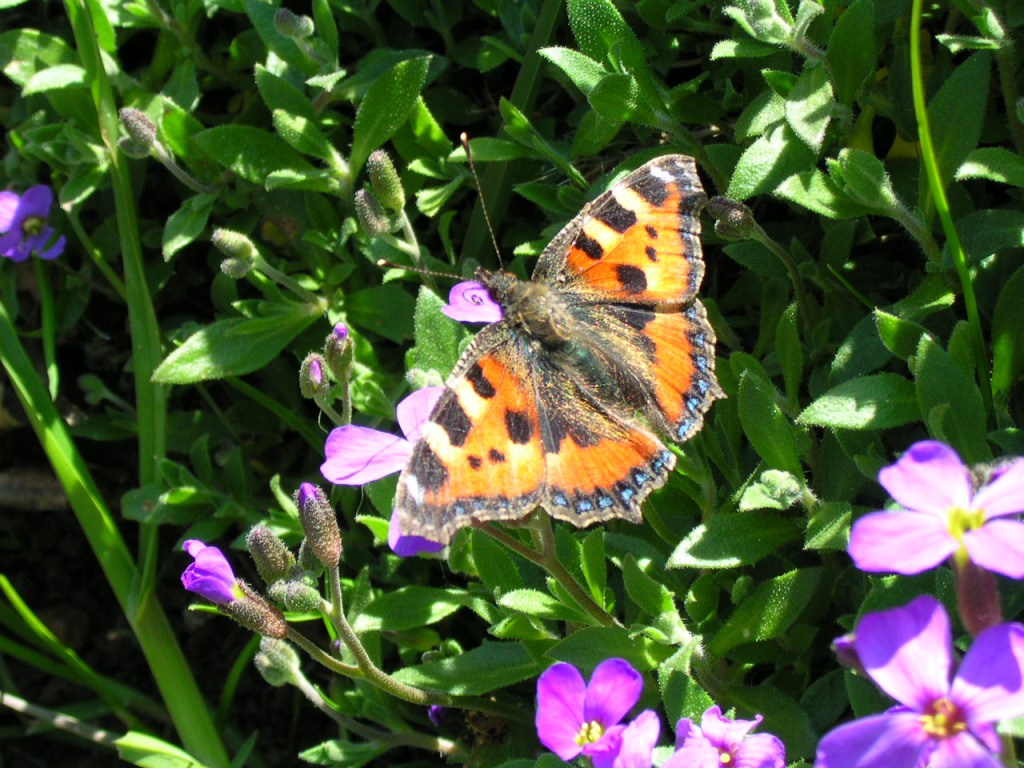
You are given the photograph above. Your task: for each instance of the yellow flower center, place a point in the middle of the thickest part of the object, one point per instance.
(589, 733)
(943, 720)
(33, 225)
(725, 758)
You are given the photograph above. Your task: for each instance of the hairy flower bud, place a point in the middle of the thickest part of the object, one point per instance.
(273, 559)
(254, 613)
(292, 25)
(138, 126)
(296, 595)
(338, 350)
(277, 662)
(372, 218)
(319, 524)
(384, 181)
(238, 249)
(733, 220)
(312, 376)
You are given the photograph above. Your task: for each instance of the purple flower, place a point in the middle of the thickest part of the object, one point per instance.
(437, 714)
(23, 225)
(340, 332)
(358, 455)
(943, 517)
(720, 741)
(574, 717)
(470, 302)
(210, 576)
(942, 722)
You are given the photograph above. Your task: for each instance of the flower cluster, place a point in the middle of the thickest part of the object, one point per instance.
(23, 225)
(577, 718)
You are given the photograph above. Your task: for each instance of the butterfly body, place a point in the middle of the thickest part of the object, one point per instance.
(559, 403)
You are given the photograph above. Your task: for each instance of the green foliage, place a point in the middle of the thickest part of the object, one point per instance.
(850, 324)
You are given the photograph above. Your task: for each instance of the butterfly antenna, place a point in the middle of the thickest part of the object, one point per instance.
(382, 263)
(464, 139)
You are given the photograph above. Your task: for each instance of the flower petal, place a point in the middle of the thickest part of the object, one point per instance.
(613, 690)
(929, 477)
(12, 247)
(762, 750)
(414, 410)
(210, 576)
(8, 210)
(1005, 494)
(962, 751)
(906, 651)
(54, 250)
(638, 740)
(723, 732)
(989, 685)
(409, 546)
(889, 740)
(900, 542)
(696, 752)
(36, 201)
(471, 302)
(560, 693)
(358, 455)
(998, 546)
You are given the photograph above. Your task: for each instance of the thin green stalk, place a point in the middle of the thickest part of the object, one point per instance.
(48, 327)
(938, 191)
(170, 670)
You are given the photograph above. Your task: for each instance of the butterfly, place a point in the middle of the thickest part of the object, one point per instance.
(560, 403)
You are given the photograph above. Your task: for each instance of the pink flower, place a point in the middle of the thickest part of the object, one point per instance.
(210, 576)
(470, 302)
(720, 741)
(943, 515)
(358, 455)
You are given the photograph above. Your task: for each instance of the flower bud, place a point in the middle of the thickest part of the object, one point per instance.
(845, 649)
(272, 557)
(277, 662)
(296, 595)
(233, 244)
(138, 126)
(319, 524)
(210, 574)
(308, 561)
(338, 350)
(372, 218)
(733, 220)
(132, 148)
(384, 181)
(312, 377)
(292, 25)
(256, 614)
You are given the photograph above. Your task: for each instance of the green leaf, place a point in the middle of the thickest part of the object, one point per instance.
(149, 751)
(730, 541)
(617, 97)
(56, 79)
(790, 352)
(851, 49)
(828, 527)
(587, 647)
(584, 71)
(875, 402)
(810, 105)
(769, 611)
(484, 669)
(234, 347)
(595, 568)
(438, 337)
(386, 106)
(249, 152)
(995, 164)
(498, 571)
(302, 134)
(410, 607)
(384, 309)
(1008, 334)
(957, 112)
(745, 48)
(540, 605)
(187, 223)
(603, 35)
(519, 128)
(23, 52)
(820, 194)
(769, 161)
(650, 596)
(863, 177)
(900, 336)
(770, 433)
(773, 490)
(950, 402)
(279, 94)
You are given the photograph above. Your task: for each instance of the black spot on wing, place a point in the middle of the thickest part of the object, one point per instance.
(480, 383)
(632, 279)
(635, 317)
(427, 468)
(475, 462)
(454, 421)
(496, 456)
(616, 216)
(589, 246)
(652, 189)
(651, 232)
(517, 424)
(652, 253)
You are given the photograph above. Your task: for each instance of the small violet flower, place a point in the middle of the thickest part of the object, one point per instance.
(470, 302)
(944, 720)
(720, 741)
(574, 717)
(23, 225)
(358, 455)
(943, 516)
(210, 576)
